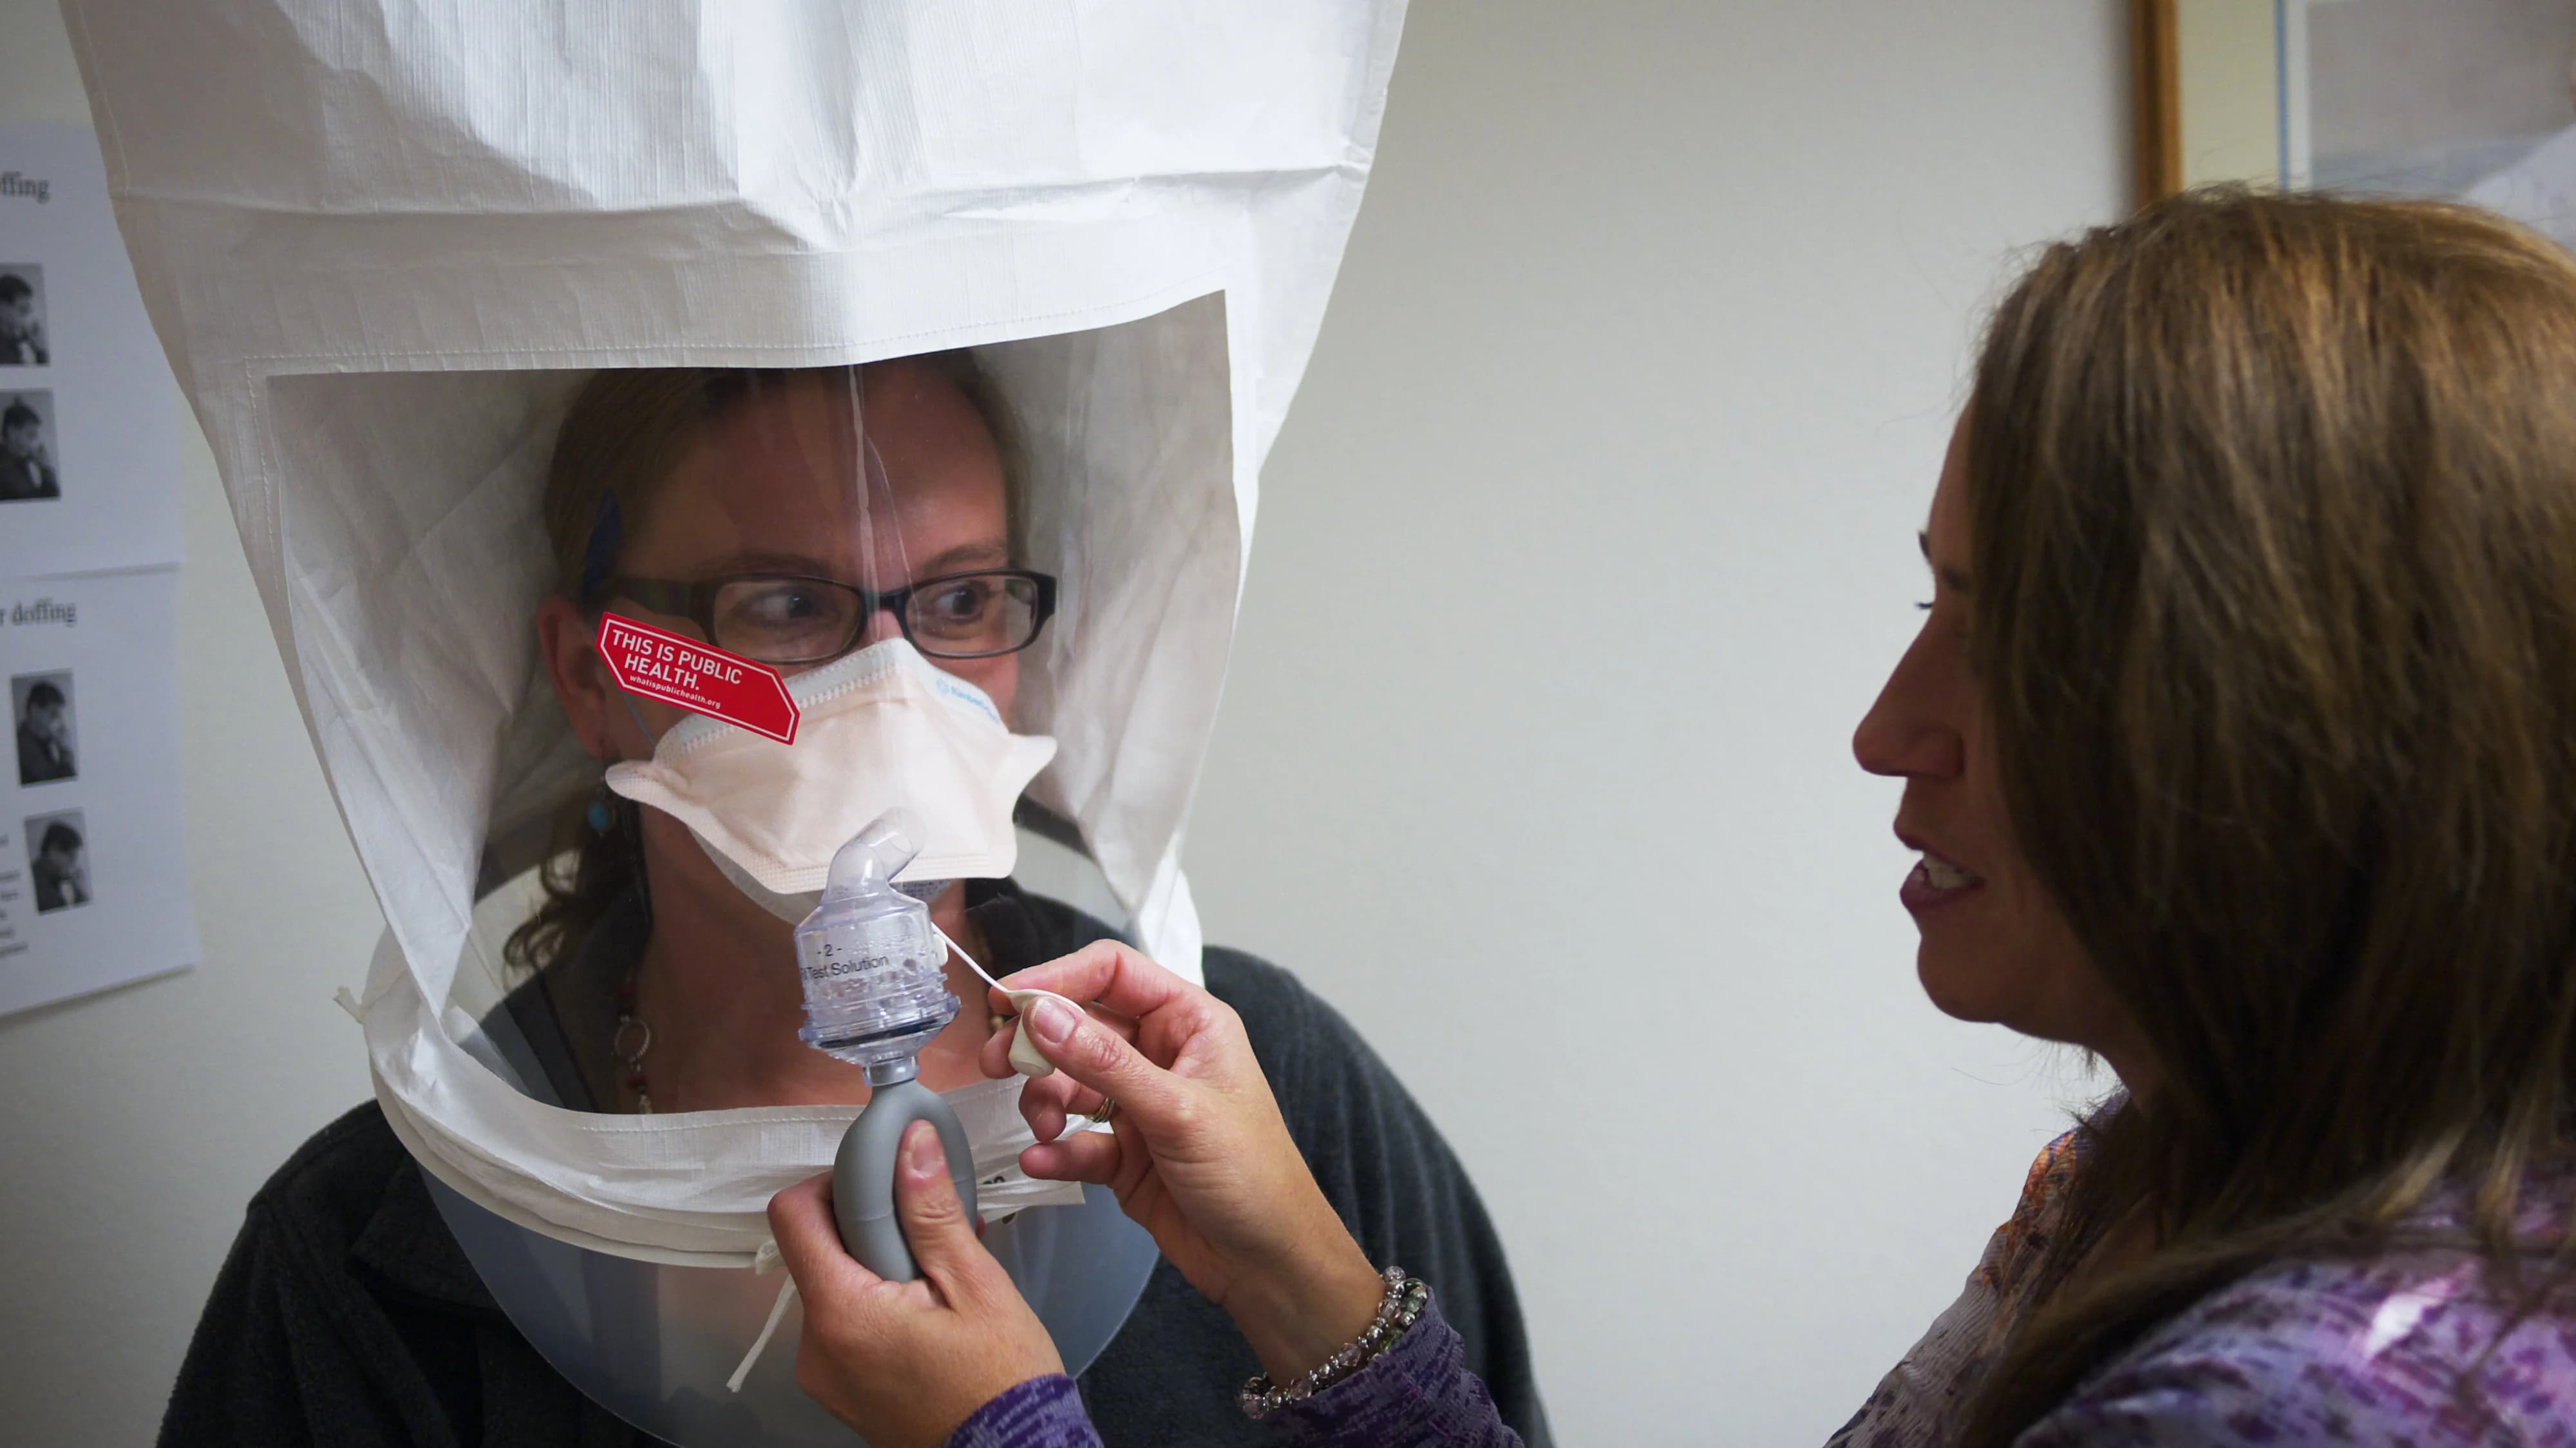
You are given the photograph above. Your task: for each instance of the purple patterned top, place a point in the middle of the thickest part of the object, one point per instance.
(2407, 1349)
(2386, 1352)
(1040, 1413)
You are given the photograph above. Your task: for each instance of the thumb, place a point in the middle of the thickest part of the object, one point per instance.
(1101, 1059)
(935, 1224)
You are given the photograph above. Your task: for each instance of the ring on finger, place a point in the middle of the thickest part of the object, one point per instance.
(1108, 1108)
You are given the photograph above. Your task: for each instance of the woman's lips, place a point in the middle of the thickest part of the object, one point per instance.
(1936, 882)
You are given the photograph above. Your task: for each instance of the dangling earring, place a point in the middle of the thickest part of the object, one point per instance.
(602, 814)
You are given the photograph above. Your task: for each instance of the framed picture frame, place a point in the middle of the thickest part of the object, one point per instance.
(2471, 100)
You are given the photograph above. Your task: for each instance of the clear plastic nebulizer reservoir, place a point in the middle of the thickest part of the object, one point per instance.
(876, 992)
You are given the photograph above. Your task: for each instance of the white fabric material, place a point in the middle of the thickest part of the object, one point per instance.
(878, 729)
(383, 243)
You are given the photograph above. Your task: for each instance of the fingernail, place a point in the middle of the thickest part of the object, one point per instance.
(921, 1153)
(1052, 1019)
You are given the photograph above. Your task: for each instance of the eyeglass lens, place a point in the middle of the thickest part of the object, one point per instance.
(795, 620)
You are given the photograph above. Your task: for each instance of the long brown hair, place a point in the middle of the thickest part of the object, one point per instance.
(625, 433)
(2273, 532)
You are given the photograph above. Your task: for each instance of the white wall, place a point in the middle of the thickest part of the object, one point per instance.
(1588, 541)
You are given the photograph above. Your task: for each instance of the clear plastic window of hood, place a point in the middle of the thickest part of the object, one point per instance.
(411, 513)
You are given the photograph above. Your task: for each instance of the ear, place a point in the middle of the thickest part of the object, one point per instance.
(581, 680)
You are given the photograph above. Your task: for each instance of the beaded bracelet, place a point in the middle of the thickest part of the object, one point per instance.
(1406, 1299)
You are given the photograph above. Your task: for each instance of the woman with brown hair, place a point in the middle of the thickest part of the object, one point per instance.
(658, 976)
(2240, 746)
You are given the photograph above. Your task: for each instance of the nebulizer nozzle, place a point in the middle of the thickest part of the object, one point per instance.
(876, 992)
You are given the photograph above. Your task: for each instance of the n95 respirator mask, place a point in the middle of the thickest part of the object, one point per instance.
(880, 728)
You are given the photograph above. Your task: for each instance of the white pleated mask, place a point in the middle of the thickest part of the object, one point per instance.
(878, 728)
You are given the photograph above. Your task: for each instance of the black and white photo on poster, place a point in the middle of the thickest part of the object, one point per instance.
(23, 335)
(58, 860)
(48, 739)
(28, 471)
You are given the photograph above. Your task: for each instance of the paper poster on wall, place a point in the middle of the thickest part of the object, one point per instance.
(93, 861)
(89, 415)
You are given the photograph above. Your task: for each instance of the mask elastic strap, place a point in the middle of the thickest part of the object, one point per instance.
(607, 539)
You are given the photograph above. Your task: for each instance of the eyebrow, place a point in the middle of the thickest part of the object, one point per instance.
(987, 551)
(806, 565)
(1951, 578)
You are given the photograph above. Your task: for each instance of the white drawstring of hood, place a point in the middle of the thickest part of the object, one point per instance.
(1024, 1052)
(764, 1262)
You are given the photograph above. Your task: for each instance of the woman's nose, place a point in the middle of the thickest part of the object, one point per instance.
(1905, 734)
(881, 626)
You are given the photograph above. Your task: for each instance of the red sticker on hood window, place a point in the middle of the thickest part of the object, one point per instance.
(700, 678)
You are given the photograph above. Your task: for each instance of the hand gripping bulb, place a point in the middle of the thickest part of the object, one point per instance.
(875, 994)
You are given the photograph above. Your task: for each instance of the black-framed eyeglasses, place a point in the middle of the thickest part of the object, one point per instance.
(781, 618)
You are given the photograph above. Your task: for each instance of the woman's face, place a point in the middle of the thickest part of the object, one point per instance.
(1994, 945)
(772, 489)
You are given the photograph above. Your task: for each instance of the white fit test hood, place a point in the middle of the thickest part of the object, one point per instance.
(384, 243)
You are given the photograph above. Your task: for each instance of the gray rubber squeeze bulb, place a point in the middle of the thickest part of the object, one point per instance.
(875, 994)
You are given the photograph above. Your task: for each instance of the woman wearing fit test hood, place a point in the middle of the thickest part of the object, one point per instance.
(906, 350)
